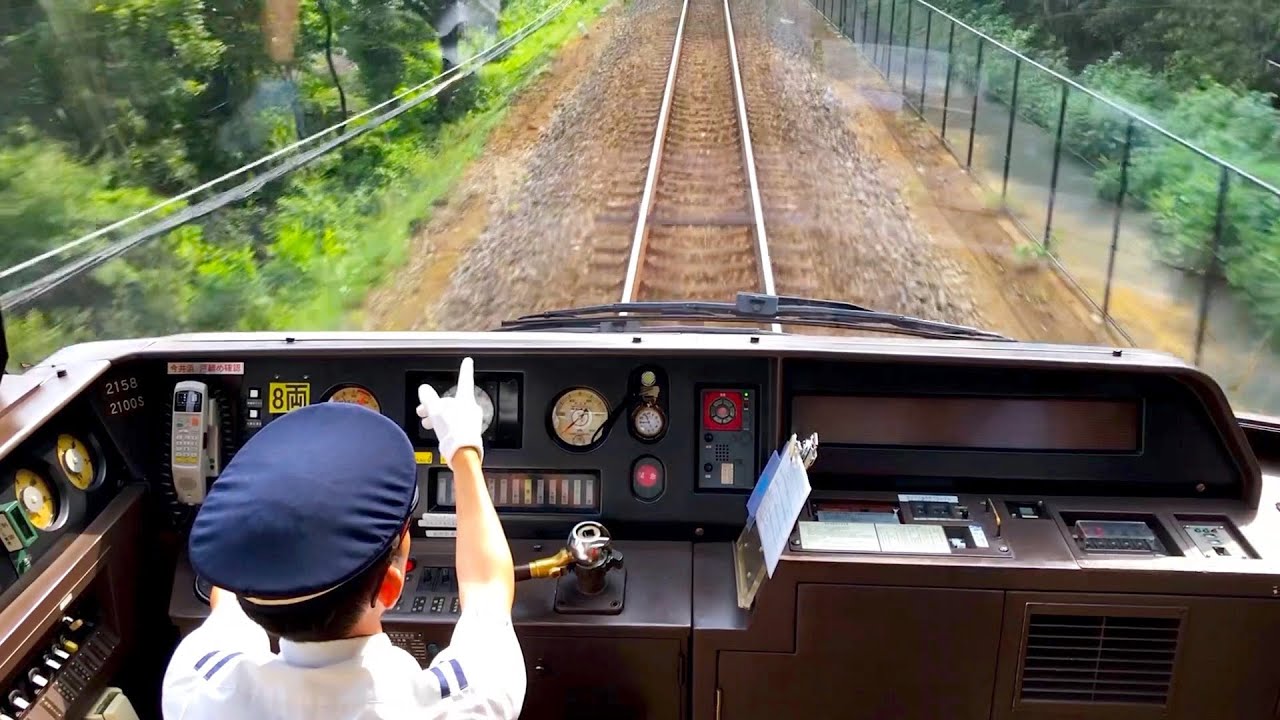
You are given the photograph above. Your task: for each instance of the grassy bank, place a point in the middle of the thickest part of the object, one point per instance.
(304, 252)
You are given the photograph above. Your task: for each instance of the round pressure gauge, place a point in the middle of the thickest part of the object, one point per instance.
(577, 415)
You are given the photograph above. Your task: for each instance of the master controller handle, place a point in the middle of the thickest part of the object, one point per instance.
(589, 551)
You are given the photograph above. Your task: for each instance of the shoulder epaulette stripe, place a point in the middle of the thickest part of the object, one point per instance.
(218, 665)
(457, 670)
(200, 663)
(444, 684)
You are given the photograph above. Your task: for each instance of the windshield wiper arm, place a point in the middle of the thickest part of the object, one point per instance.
(749, 308)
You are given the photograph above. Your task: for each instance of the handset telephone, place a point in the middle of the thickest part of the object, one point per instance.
(195, 448)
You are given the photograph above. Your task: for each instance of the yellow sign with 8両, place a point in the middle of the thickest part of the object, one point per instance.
(285, 396)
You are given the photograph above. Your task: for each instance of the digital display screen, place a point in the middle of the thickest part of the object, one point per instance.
(526, 491)
(971, 423)
(188, 401)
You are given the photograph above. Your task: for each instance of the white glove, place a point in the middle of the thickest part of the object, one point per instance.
(457, 419)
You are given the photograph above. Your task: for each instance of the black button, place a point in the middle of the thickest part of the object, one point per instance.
(706, 437)
(706, 467)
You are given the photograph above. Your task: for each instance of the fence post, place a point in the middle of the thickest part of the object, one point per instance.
(866, 18)
(875, 54)
(893, 12)
(1057, 162)
(924, 74)
(844, 15)
(906, 50)
(1013, 116)
(946, 89)
(1210, 272)
(977, 91)
(1115, 225)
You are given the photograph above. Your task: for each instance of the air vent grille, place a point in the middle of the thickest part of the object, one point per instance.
(1097, 658)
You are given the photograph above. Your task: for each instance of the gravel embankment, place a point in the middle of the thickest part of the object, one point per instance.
(560, 236)
(838, 226)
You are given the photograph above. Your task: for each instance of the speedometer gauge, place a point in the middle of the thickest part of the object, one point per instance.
(38, 499)
(356, 395)
(483, 400)
(577, 415)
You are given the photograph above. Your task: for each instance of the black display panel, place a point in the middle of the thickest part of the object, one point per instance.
(972, 423)
(1179, 451)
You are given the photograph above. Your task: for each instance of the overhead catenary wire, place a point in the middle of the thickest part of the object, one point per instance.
(444, 80)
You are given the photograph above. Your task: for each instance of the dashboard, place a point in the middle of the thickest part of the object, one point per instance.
(1078, 477)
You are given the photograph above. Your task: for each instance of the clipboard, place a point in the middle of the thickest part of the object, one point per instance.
(772, 510)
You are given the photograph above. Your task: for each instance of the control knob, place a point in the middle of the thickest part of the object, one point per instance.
(19, 702)
(38, 680)
(51, 664)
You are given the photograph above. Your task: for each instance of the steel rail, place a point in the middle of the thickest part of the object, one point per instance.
(641, 237)
(640, 240)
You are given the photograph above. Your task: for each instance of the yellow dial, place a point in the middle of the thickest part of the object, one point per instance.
(37, 498)
(577, 415)
(75, 461)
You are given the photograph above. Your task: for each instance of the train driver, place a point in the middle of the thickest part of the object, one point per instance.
(306, 536)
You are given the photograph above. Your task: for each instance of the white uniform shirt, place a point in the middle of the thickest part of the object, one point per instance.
(225, 670)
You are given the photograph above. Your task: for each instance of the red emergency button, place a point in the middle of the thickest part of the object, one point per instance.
(648, 478)
(409, 565)
(646, 475)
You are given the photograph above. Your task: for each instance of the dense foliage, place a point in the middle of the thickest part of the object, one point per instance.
(1196, 69)
(116, 104)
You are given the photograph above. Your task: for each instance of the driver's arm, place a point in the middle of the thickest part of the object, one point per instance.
(486, 576)
(483, 663)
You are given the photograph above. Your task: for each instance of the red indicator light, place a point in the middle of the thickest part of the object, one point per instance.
(646, 476)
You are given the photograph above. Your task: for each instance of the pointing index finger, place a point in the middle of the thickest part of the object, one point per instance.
(466, 380)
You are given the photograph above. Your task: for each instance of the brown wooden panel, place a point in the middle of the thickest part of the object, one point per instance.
(593, 678)
(1225, 666)
(873, 652)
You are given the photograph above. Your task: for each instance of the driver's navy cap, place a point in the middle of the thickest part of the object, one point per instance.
(314, 498)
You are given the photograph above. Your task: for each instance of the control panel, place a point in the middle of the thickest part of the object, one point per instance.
(1215, 538)
(1117, 536)
(528, 491)
(67, 671)
(429, 590)
(903, 524)
(727, 439)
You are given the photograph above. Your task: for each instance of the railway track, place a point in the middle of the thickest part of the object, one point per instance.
(699, 231)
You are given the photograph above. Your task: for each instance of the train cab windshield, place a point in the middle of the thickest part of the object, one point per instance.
(834, 358)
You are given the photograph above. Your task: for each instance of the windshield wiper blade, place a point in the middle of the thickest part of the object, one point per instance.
(749, 308)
